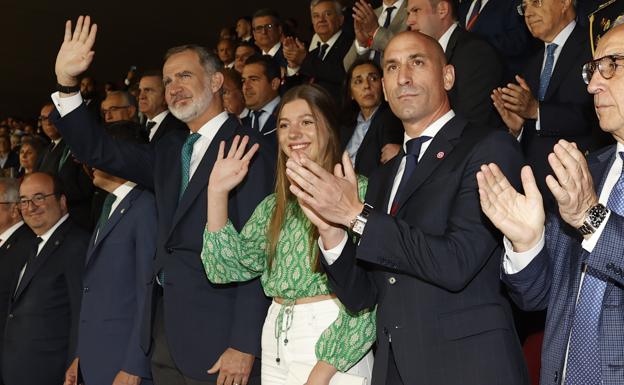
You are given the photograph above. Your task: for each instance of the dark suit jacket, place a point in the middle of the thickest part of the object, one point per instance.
(567, 111)
(201, 319)
(12, 258)
(118, 270)
(279, 57)
(478, 70)
(433, 269)
(12, 161)
(51, 157)
(38, 336)
(384, 128)
(268, 131)
(170, 123)
(328, 73)
(553, 278)
(500, 25)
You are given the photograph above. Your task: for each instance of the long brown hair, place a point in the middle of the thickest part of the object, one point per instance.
(326, 117)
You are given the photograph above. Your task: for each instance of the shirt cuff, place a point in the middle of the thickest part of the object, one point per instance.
(359, 49)
(332, 255)
(292, 71)
(537, 122)
(66, 105)
(514, 262)
(589, 244)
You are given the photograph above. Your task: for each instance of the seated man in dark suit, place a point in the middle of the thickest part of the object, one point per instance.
(118, 267)
(478, 68)
(15, 237)
(45, 299)
(243, 29)
(153, 105)
(261, 87)
(323, 65)
(197, 332)
(243, 51)
(58, 160)
(426, 256)
(549, 101)
(267, 32)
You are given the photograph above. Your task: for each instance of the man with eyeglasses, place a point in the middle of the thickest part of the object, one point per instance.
(117, 107)
(14, 238)
(549, 101)
(45, 299)
(573, 263)
(267, 32)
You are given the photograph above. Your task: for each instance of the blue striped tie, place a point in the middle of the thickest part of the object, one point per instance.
(547, 71)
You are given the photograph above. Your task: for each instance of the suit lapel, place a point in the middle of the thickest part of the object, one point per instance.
(199, 180)
(600, 166)
(569, 53)
(439, 149)
(450, 47)
(49, 247)
(114, 218)
(389, 179)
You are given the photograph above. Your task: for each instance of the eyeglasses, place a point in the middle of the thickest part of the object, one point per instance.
(606, 65)
(521, 8)
(112, 109)
(36, 200)
(264, 28)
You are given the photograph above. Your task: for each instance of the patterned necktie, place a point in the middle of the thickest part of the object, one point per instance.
(386, 24)
(322, 51)
(187, 153)
(106, 210)
(583, 366)
(411, 159)
(547, 71)
(256, 122)
(476, 10)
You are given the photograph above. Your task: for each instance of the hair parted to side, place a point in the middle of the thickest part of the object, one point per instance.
(326, 117)
(209, 61)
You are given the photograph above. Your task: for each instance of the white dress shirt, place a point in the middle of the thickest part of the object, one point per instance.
(330, 43)
(332, 255)
(273, 50)
(381, 19)
(446, 37)
(268, 110)
(120, 193)
(6, 234)
(157, 119)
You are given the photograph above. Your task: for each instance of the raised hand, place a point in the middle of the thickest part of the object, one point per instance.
(519, 217)
(294, 52)
(519, 98)
(364, 15)
(75, 54)
(229, 170)
(573, 187)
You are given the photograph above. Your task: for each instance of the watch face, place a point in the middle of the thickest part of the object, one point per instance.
(358, 227)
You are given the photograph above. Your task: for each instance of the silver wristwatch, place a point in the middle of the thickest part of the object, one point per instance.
(357, 225)
(594, 217)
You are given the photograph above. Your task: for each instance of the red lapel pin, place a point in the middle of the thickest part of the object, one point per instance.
(440, 155)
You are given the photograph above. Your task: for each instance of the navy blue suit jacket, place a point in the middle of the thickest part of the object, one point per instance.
(552, 281)
(201, 319)
(117, 275)
(433, 269)
(38, 336)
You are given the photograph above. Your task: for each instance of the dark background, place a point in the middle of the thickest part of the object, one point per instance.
(129, 33)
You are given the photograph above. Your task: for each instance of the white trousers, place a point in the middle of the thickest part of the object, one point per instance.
(306, 325)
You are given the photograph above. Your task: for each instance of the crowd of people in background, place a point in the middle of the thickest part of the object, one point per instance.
(274, 210)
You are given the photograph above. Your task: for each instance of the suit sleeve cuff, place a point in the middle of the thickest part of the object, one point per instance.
(359, 49)
(332, 255)
(66, 105)
(514, 262)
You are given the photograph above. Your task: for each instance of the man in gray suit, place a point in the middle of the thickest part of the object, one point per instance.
(374, 28)
(573, 263)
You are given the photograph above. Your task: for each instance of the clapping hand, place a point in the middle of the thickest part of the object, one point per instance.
(519, 217)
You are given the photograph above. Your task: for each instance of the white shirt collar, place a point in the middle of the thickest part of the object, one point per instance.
(244, 113)
(270, 106)
(444, 39)
(273, 50)
(432, 130)
(159, 118)
(563, 36)
(332, 40)
(45, 236)
(211, 127)
(396, 5)
(120, 193)
(6, 234)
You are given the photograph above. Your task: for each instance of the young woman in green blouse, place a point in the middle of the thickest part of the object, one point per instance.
(305, 323)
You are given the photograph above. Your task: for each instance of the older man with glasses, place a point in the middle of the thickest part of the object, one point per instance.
(118, 107)
(572, 264)
(45, 296)
(549, 101)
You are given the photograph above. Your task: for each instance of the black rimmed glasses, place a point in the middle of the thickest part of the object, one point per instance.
(36, 200)
(263, 28)
(112, 109)
(521, 8)
(606, 65)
